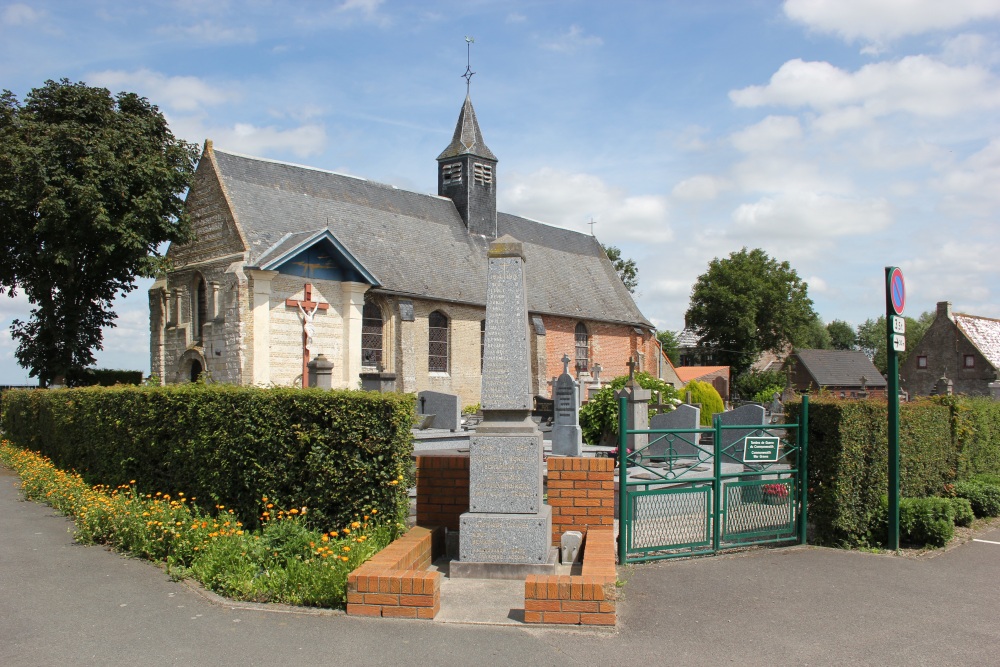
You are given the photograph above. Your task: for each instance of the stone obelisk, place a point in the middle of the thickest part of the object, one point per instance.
(507, 532)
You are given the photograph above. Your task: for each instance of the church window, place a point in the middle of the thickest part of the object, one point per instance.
(482, 344)
(482, 173)
(371, 336)
(969, 361)
(199, 309)
(922, 361)
(582, 347)
(451, 173)
(437, 347)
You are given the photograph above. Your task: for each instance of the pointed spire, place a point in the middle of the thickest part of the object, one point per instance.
(468, 138)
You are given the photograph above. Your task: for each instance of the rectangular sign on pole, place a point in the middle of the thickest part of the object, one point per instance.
(761, 449)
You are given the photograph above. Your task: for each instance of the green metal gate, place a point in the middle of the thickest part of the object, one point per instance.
(680, 496)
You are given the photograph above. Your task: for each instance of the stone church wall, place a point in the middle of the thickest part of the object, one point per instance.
(286, 329)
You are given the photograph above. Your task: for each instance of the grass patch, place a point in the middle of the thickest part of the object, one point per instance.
(284, 561)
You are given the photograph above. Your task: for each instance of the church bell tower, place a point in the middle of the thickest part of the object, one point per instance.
(467, 174)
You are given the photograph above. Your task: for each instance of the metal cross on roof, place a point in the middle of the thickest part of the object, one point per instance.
(468, 63)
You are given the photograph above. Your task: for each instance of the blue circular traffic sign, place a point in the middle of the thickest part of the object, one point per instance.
(897, 290)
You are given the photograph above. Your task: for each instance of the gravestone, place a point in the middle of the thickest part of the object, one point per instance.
(750, 414)
(444, 407)
(321, 372)
(684, 445)
(637, 409)
(507, 532)
(379, 381)
(567, 438)
(594, 389)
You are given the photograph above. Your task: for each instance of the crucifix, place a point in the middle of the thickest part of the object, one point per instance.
(633, 363)
(308, 308)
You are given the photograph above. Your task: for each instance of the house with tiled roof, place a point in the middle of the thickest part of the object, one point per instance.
(289, 262)
(960, 348)
(844, 373)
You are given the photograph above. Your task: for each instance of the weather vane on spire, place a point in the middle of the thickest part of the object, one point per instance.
(468, 63)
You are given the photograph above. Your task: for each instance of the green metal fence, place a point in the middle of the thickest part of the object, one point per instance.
(698, 491)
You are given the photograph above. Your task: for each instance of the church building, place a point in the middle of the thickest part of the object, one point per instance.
(289, 262)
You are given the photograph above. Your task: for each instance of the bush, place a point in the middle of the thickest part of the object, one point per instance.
(704, 393)
(339, 453)
(754, 382)
(963, 511)
(929, 521)
(599, 416)
(984, 498)
(766, 395)
(102, 377)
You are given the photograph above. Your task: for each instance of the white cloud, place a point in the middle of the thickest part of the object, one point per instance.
(180, 93)
(302, 141)
(817, 285)
(346, 14)
(881, 20)
(211, 32)
(917, 85)
(777, 173)
(515, 17)
(971, 186)
(808, 215)
(769, 133)
(703, 187)
(573, 40)
(571, 200)
(19, 14)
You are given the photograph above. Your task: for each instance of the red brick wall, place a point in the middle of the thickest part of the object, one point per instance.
(395, 583)
(581, 493)
(442, 490)
(611, 346)
(587, 599)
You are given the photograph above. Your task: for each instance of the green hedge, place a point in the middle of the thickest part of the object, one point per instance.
(848, 457)
(102, 377)
(338, 453)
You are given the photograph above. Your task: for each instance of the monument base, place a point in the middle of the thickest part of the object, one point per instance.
(518, 539)
(470, 570)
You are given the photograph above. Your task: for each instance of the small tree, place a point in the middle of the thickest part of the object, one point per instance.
(704, 393)
(842, 336)
(626, 268)
(671, 347)
(90, 188)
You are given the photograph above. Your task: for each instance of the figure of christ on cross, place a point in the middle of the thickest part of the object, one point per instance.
(308, 308)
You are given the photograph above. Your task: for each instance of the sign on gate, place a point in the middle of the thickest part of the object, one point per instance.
(760, 449)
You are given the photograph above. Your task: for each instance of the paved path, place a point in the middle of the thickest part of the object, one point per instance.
(65, 604)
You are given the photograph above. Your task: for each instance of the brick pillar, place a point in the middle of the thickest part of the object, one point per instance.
(442, 490)
(581, 493)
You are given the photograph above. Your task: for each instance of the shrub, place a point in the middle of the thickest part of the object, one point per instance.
(103, 377)
(754, 382)
(338, 453)
(766, 395)
(963, 511)
(929, 521)
(704, 393)
(984, 498)
(599, 416)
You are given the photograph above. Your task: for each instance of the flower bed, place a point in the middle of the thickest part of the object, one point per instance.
(284, 561)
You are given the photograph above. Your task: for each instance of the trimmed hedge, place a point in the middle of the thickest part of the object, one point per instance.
(941, 441)
(103, 377)
(338, 453)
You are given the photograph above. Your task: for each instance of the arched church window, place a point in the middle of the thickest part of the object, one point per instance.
(199, 309)
(582, 347)
(372, 328)
(437, 346)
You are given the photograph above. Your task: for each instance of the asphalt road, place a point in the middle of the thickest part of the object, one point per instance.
(66, 604)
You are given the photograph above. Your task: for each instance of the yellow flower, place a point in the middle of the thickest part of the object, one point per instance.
(345, 548)
(293, 511)
(374, 512)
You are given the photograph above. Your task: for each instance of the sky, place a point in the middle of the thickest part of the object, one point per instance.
(841, 136)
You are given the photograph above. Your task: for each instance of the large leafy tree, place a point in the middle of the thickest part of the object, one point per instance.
(626, 268)
(671, 346)
(90, 187)
(746, 304)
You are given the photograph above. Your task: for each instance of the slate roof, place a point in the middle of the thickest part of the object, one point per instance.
(417, 244)
(840, 368)
(468, 138)
(983, 332)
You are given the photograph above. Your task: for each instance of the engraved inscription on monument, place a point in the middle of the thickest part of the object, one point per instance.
(505, 474)
(490, 538)
(505, 348)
